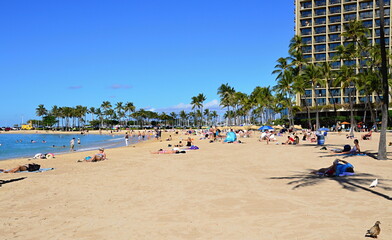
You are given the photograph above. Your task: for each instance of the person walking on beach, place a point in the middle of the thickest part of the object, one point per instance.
(72, 144)
(126, 139)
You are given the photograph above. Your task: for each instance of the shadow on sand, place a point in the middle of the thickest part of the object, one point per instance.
(11, 180)
(351, 183)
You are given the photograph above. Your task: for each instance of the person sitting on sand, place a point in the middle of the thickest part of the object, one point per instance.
(349, 150)
(290, 140)
(100, 156)
(367, 136)
(189, 142)
(339, 167)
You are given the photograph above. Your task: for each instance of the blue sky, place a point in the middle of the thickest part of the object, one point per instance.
(156, 54)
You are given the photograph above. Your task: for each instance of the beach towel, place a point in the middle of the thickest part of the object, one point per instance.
(351, 154)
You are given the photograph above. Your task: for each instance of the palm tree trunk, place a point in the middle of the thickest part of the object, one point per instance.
(351, 115)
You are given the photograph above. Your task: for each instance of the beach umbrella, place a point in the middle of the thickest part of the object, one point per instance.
(324, 129)
(263, 128)
(298, 127)
(345, 123)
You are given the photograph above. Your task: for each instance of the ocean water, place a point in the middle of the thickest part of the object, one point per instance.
(21, 145)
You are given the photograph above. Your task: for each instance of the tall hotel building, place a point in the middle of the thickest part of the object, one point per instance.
(320, 24)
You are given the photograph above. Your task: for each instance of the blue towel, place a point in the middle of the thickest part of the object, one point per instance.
(350, 154)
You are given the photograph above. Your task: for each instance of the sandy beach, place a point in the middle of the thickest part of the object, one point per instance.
(221, 191)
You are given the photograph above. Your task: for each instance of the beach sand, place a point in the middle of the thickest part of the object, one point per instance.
(221, 191)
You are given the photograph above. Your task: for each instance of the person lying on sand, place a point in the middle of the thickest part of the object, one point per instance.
(173, 151)
(339, 167)
(100, 156)
(31, 167)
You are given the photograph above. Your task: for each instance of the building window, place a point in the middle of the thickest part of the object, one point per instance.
(307, 13)
(366, 5)
(335, 65)
(333, 46)
(368, 23)
(319, 12)
(351, 7)
(334, 37)
(349, 63)
(335, 19)
(333, 10)
(350, 17)
(306, 32)
(321, 101)
(364, 15)
(386, 12)
(321, 92)
(320, 21)
(386, 22)
(320, 2)
(377, 41)
(307, 49)
(335, 28)
(307, 40)
(319, 39)
(320, 48)
(320, 57)
(386, 3)
(334, 100)
(306, 23)
(386, 31)
(308, 93)
(335, 92)
(306, 5)
(332, 55)
(319, 30)
(351, 90)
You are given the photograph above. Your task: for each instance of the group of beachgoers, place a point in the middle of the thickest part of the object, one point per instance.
(225, 136)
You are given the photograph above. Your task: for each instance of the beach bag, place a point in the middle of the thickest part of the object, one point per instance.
(31, 167)
(346, 148)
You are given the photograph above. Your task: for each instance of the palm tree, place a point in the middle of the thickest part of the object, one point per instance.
(281, 67)
(184, 117)
(106, 106)
(382, 145)
(129, 108)
(285, 86)
(313, 74)
(56, 113)
(174, 115)
(201, 97)
(346, 79)
(214, 115)
(226, 94)
(41, 111)
(119, 107)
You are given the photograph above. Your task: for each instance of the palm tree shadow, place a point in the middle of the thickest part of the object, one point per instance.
(11, 180)
(351, 183)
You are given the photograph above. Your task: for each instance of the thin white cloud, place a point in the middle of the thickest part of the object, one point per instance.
(120, 86)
